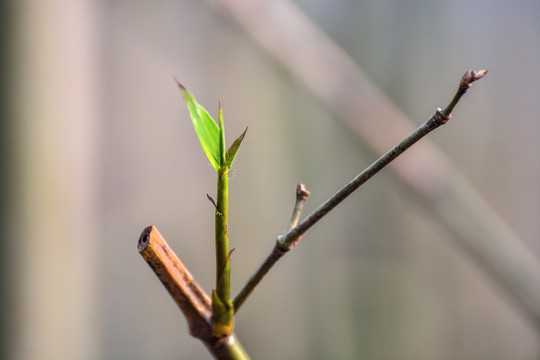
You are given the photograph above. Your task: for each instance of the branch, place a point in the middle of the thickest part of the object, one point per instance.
(440, 117)
(188, 295)
(328, 72)
(276, 254)
(287, 241)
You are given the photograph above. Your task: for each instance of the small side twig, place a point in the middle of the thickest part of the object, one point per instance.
(277, 252)
(301, 196)
(288, 240)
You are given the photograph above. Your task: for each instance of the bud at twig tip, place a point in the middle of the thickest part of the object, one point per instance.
(470, 76)
(479, 74)
(301, 191)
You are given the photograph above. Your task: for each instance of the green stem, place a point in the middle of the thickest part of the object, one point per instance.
(222, 308)
(237, 350)
(228, 348)
(223, 271)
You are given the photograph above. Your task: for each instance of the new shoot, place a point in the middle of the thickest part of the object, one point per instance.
(212, 139)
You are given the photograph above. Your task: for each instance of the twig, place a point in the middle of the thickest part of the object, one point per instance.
(277, 252)
(439, 118)
(188, 295)
(255, 279)
(466, 81)
(287, 241)
(301, 196)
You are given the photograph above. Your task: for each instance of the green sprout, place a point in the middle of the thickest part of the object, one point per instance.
(212, 139)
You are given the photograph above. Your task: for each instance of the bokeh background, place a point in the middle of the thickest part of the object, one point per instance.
(97, 144)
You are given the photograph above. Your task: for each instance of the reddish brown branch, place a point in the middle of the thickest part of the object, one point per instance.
(190, 298)
(188, 295)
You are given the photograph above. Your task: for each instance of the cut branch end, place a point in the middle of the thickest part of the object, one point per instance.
(188, 295)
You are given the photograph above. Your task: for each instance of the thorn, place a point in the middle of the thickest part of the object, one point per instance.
(214, 203)
(212, 200)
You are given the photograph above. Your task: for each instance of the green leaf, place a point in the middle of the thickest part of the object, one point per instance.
(233, 150)
(210, 135)
(221, 135)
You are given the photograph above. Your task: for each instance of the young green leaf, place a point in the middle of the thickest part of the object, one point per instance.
(207, 130)
(221, 135)
(233, 150)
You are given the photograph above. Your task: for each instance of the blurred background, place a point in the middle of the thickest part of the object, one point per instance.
(97, 144)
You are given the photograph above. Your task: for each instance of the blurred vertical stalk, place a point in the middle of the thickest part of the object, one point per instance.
(58, 138)
(5, 176)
